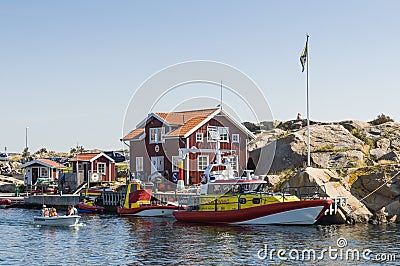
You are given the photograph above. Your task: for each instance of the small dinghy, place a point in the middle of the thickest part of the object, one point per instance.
(70, 220)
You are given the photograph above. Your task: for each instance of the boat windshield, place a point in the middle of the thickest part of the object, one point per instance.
(236, 188)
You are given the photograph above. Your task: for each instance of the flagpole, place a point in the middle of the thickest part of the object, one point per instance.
(308, 110)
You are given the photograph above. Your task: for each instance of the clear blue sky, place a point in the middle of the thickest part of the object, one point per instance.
(69, 68)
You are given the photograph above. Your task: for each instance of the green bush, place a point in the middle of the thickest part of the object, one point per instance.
(380, 119)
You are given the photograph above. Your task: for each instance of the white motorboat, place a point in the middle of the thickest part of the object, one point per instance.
(70, 220)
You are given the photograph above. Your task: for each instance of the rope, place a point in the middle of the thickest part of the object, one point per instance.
(380, 187)
(351, 209)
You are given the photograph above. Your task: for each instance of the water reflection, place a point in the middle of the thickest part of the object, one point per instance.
(113, 240)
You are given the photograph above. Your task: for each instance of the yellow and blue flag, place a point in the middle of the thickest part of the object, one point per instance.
(303, 57)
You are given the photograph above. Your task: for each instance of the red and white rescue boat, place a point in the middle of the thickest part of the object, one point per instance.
(138, 203)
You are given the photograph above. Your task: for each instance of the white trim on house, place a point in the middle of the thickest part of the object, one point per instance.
(208, 118)
(144, 121)
(236, 123)
(98, 168)
(235, 138)
(44, 172)
(198, 162)
(99, 155)
(159, 135)
(201, 135)
(218, 129)
(38, 162)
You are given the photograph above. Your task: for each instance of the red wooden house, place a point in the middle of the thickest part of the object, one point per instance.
(95, 167)
(155, 143)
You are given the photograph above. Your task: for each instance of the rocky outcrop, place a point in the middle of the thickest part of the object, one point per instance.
(331, 146)
(355, 159)
(379, 187)
(351, 125)
(330, 182)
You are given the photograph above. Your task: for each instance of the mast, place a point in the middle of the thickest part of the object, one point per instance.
(308, 110)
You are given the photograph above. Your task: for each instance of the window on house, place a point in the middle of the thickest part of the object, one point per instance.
(139, 164)
(44, 172)
(233, 162)
(213, 133)
(156, 134)
(235, 138)
(175, 161)
(101, 168)
(223, 134)
(199, 137)
(202, 162)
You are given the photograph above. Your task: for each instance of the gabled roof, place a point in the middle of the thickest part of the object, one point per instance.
(181, 118)
(188, 126)
(45, 162)
(90, 157)
(134, 134)
(186, 122)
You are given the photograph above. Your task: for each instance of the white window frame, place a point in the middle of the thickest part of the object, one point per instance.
(199, 137)
(139, 164)
(156, 134)
(223, 137)
(174, 162)
(226, 134)
(208, 134)
(102, 171)
(235, 138)
(200, 164)
(44, 172)
(233, 162)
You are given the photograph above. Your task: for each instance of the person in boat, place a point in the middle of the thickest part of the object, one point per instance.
(74, 211)
(44, 212)
(69, 210)
(53, 212)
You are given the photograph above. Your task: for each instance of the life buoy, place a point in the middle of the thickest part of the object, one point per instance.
(94, 177)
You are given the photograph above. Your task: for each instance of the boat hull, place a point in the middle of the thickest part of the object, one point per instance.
(5, 203)
(83, 208)
(148, 211)
(57, 221)
(305, 212)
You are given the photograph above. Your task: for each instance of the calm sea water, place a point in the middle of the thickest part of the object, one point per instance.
(112, 240)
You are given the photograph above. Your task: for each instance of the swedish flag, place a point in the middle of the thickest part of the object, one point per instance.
(303, 57)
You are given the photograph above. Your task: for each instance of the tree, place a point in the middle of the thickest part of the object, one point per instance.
(381, 119)
(42, 150)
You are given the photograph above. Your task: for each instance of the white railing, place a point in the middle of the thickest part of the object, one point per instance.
(337, 202)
